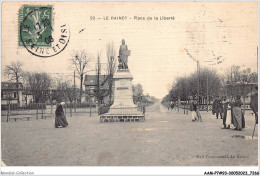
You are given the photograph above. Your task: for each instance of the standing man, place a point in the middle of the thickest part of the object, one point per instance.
(214, 106)
(219, 107)
(172, 105)
(254, 103)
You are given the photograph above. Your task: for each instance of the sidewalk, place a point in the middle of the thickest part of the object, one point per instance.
(166, 138)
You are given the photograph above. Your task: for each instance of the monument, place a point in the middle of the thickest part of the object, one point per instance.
(123, 108)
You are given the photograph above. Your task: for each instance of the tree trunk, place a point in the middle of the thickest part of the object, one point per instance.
(8, 112)
(244, 105)
(42, 109)
(110, 95)
(51, 106)
(37, 111)
(18, 98)
(70, 109)
(81, 82)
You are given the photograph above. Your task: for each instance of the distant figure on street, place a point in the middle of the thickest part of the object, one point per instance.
(214, 106)
(193, 109)
(217, 107)
(225, 106)
(198, 118)
(254, 103)
(168, 104)
(172, 105)
(143, 108)
(60, 119)
(237, 113)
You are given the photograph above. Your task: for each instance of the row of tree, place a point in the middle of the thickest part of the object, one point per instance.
(41, 85)
(211, 84)
(45, 87)
(140, 97)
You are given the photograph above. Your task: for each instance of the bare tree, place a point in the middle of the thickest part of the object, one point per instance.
(80, 60)
(100, 91)
(65, 91)
(111, 68)
(245, 78)
(14, 72)
(138, 92)
(39, 84)
(98, 94)
(239, 81)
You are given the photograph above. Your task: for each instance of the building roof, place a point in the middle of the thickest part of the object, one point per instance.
(27, 91)
(91, 80)
(11, 86)
(241, 83)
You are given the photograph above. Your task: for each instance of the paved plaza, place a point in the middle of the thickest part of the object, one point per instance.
(166, 138)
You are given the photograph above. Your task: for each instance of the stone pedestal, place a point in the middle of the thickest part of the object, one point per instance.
(123, 108)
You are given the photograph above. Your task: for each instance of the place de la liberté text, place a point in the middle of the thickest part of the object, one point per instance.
(137, 18)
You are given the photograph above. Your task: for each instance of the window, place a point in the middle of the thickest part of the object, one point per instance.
(14, 94)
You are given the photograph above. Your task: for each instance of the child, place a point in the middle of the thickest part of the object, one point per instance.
(193, 109)
(198, 115)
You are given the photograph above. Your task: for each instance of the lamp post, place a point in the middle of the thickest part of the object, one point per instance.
(198, 73)
(207, 93)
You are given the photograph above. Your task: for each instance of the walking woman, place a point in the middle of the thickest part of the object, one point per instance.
(60, 119)
(237, 113)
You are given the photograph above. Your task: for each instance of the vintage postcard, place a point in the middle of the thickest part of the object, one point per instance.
(130, 84)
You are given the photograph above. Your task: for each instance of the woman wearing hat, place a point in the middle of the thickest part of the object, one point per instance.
(60, 119)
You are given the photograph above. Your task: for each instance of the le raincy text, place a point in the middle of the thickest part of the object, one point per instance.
(137, 18)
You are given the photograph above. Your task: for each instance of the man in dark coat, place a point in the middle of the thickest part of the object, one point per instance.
(214, 106)
(225, 108)
(218, 107)
(254, 103)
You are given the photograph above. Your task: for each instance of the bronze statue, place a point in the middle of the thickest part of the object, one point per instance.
(123, 56)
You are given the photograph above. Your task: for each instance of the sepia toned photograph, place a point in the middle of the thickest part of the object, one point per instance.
(129, 84)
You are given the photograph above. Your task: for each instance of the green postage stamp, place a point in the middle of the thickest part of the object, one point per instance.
(35, 26)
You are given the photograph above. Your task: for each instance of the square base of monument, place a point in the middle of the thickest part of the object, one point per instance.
(121, 118)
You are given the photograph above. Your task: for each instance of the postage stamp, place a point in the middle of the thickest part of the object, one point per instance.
(36, 25)
(38, 35)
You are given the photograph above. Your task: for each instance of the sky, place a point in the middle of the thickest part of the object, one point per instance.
(208, 31)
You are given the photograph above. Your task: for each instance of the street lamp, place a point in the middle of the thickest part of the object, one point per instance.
(198, 73)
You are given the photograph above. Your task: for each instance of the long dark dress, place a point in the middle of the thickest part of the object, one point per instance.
(60, 119)
(225, 112)
(254, 105)
(238, 115)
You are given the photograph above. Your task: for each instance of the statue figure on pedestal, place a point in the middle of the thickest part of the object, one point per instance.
(123, 107)
(123, 56)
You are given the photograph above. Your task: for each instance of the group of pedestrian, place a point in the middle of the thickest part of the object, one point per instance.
(170, 105)
(231, 110)
(228, 109)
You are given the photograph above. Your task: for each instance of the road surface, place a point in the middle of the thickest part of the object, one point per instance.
(166, 138)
